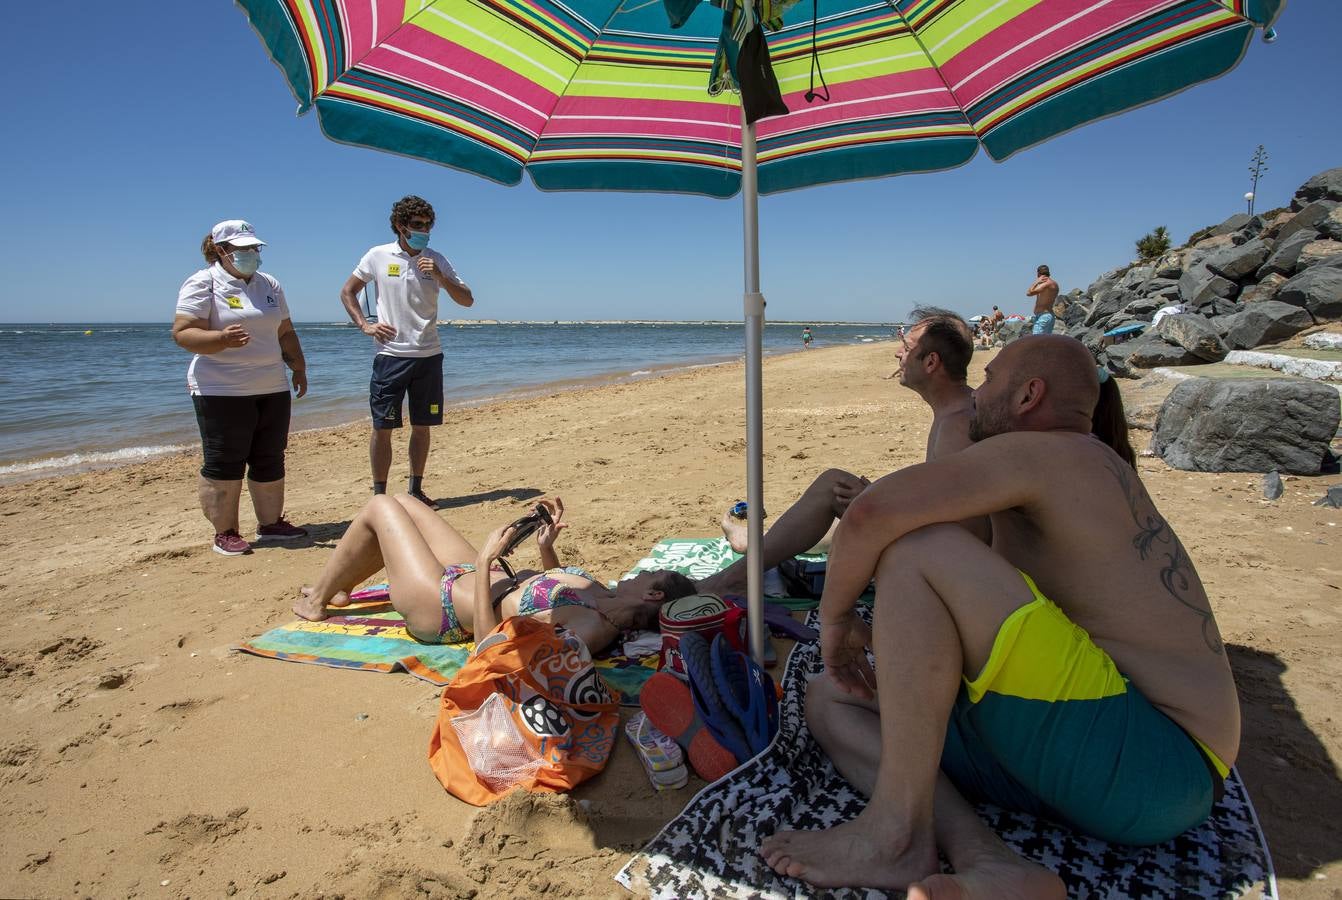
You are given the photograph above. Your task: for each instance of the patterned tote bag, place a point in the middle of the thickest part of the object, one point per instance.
(527, 710)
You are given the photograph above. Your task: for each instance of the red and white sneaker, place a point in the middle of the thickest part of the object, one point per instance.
(230, 543)
(280, 530)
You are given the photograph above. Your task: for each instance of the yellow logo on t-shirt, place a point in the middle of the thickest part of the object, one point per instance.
(234, 302)
(393, 270)
(433, 409)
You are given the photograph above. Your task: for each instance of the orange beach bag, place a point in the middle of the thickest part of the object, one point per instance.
(527, 710)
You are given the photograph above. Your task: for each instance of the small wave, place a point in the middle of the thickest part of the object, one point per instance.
(88, 460)
(640, 372)
(869, 340)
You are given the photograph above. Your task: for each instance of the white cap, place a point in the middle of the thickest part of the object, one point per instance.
(236, 233)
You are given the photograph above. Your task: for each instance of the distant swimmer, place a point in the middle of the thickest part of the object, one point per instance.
(235, 320)
(1044, 291)
(409, 356)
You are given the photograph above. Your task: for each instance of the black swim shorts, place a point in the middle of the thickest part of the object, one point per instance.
(421, 377)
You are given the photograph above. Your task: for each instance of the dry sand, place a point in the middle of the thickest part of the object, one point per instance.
(141, 756)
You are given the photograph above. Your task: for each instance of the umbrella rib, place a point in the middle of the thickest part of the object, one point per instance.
(616, 9)
(894, 4)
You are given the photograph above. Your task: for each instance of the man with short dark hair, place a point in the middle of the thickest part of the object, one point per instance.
(407, 276)
(1044, 291)
(1074, 670)
(933, 362)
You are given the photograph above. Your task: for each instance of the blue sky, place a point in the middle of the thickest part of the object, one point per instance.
(131, 128)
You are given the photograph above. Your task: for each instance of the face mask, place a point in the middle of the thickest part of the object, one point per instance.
(247, 261)
(417, 240)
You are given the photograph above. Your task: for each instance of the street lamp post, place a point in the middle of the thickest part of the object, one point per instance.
(1248, 197)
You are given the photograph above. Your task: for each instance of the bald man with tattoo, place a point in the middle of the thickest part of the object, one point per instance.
(1073, 670)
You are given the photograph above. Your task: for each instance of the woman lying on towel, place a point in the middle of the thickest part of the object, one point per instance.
(433, 576)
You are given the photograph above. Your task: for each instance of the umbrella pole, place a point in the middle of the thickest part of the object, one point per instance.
(754, 316)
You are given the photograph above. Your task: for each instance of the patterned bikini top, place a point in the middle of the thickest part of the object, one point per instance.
(543, 593)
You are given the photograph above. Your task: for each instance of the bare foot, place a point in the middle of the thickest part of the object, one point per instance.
(311, 607)
(849, 855)
(341, 598)
(735, 531)
(1004, 876)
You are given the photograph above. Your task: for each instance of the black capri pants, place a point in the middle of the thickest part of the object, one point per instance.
(243, 434)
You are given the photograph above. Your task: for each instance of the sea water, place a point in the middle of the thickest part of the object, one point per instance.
(80, 396)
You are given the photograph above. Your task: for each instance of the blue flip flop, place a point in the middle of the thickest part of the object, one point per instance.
(748, 693)
(708, 701)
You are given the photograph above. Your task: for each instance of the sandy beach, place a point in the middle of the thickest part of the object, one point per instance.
(142, 756)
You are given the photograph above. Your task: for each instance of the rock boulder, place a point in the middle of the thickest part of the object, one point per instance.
(1237, 263)
(1318, 290)
(1199, 285)
(1263, 323)
(1195, 334)
(1316, 252)
(1151, 350)
(1107, 303)
(1283, 260)
(1247, 425)
(1331, 227)
(1323, 186)
(1308, 219)
(1263, 290)
(1011, 329)
(1171, 265)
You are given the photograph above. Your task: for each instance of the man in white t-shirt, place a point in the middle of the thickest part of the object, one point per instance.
(409, 360)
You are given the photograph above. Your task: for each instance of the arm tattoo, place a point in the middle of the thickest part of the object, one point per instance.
(1176, 573)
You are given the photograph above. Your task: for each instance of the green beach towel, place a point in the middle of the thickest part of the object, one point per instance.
(697, 558)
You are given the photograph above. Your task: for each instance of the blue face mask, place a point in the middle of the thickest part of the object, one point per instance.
(247, 261)
(417, 240)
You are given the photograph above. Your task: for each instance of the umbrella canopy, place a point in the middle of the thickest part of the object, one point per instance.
(605, 95)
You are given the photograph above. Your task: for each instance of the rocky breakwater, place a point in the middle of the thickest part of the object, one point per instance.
(1248, 282)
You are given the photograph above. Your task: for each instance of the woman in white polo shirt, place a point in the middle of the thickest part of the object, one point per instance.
(236, 322)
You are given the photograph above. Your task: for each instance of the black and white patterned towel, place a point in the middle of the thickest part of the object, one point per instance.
(711, 848)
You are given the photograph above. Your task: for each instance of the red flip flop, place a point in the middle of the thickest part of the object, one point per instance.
(670, 708)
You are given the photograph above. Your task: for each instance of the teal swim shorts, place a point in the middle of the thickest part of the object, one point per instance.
(1051, 727)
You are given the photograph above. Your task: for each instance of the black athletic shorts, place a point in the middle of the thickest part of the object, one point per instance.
(243, 434)
(396, 376)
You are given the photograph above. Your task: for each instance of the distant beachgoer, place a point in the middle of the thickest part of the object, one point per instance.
(934, 363)
(235, 320)
(1044, 291)
(806, 338)
(409, 360)
(432, 576)
(1107, 704)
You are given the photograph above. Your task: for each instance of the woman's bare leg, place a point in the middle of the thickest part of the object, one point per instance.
(383, 535)
(448, 544)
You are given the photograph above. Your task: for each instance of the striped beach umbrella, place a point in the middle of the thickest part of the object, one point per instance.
(605, 95)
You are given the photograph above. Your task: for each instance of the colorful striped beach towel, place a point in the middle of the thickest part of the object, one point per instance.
(371, 636)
